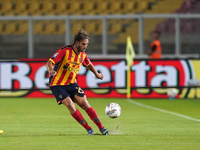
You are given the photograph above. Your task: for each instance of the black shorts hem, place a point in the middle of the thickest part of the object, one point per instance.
(62, 92)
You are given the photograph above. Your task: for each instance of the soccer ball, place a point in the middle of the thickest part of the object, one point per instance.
(113, 110)
(172, 92)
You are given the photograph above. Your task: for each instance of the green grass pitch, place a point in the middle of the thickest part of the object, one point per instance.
(40, 124)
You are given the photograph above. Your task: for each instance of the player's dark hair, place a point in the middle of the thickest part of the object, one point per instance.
(157, 32)
(80, 35)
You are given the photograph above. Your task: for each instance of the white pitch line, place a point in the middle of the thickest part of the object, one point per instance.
(162, 110)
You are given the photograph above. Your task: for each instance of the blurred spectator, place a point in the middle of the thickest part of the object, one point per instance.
(155, 49)
(189, 6)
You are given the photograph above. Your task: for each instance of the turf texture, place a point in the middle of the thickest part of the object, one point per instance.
(40, 124)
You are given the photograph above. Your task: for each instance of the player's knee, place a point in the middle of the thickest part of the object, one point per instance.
(84, 105)
(68, 103)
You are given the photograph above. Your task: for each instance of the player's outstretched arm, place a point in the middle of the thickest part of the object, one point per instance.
(92, 68)
(49, 66)
(149, 52)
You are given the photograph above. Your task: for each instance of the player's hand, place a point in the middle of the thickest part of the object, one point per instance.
(52, 72)
(99, 76)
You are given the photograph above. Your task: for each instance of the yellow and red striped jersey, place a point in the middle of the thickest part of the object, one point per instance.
(67, 65)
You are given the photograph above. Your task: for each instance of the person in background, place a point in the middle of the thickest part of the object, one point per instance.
(155, 49)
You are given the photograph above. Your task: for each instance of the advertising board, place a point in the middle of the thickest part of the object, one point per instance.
(149, 78)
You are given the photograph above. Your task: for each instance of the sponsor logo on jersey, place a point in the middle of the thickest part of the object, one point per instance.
(65, 67)
(71, 69)
(74, 70)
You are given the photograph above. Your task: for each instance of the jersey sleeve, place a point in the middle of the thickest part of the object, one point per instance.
(86, 61)
(57, 56)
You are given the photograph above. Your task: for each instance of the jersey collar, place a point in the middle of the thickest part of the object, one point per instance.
(75, 51)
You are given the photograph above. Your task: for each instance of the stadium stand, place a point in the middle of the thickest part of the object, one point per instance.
(121, 28)
(187, 25)
(77, 7)
(160, 7)
(87, 7)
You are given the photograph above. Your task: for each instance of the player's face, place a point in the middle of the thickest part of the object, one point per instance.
(154, 36)
(82, 45)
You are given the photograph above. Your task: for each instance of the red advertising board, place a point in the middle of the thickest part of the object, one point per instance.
(30, 78)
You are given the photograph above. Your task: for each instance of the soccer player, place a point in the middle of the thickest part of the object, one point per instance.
(63, 68)
(155, 49)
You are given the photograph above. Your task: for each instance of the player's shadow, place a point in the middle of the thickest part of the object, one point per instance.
(97, 134)
(37, 135)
